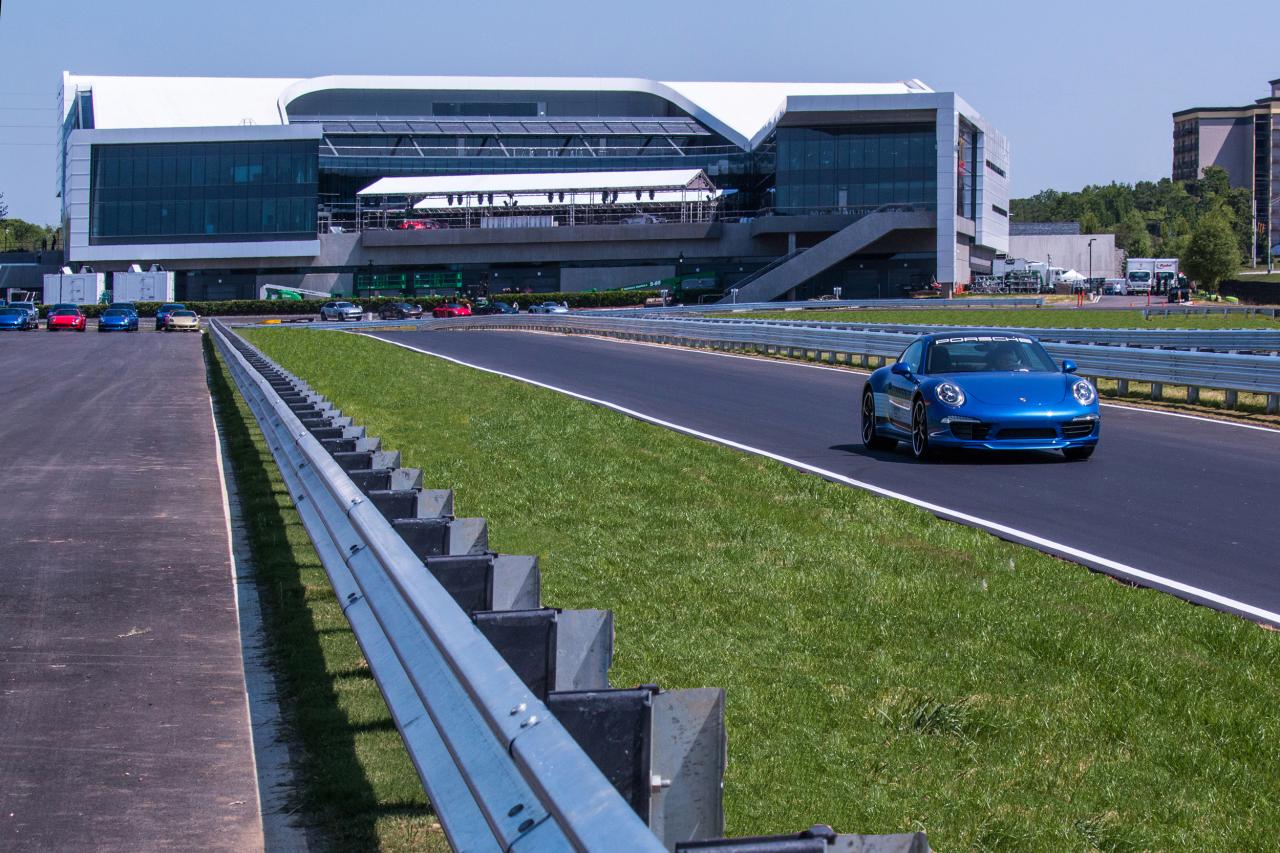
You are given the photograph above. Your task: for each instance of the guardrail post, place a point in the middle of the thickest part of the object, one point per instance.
(1273, 404)
(1122, 387)
(1193, 394)
(1157, 390)
(1232, 398)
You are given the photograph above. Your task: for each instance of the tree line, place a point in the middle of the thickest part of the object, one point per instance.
(1207, 224)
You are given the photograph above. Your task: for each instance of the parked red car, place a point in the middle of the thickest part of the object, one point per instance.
(451, 309)
(420, 225)
(65, 318)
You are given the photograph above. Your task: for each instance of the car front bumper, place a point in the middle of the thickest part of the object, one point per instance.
(1039, 431)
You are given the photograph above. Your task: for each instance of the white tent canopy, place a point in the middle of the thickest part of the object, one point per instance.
(1072, 275)
(658, 186)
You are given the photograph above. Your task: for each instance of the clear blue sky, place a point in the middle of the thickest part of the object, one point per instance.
(1083, 90)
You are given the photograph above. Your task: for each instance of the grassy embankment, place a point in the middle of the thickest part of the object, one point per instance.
(885, 670)
(359, 790)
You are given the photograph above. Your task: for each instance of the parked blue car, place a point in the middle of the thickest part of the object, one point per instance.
(118, 320)
(163, 312)
(980, 391)
(17, 319)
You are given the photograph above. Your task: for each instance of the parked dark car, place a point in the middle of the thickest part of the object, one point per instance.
(400, 311)
(494, 308)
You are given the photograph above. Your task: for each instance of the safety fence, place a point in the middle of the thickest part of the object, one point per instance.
(1230, 372)
(504, 704)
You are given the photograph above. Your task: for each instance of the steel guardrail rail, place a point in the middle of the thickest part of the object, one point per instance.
(502, 773)
(1233, 372)
(1223, 340)
(817, 304)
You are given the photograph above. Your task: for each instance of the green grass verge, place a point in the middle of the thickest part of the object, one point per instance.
(885, 670)
(1019, 317)
(359, 790)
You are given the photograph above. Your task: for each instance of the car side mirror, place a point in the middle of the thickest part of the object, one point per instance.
(900, 368)
(1068, 366)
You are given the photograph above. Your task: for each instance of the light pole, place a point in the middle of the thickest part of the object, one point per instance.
(1091, 241)
(734, 292)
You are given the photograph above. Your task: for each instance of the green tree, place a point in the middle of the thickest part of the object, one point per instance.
(1090, 223)
(1213, 251)
(1132, 235)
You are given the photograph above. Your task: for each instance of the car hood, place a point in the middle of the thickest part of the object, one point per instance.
(1015, 389)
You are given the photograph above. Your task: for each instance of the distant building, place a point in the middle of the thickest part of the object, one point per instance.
(1069, 249)
(237, 183)
(1245, 141)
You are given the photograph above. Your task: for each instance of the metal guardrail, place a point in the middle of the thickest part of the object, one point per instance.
(1184, 310)
(504, 706)
(1220, 340)
(1231, 372)
(934, 303)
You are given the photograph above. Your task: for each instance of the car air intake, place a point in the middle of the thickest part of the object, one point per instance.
(970, 431)
(1077, 429)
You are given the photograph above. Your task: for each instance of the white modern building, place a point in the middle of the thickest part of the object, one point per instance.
(877, 188)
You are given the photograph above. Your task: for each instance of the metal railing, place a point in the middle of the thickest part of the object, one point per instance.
(1257, 374)
(818, 304)
(1218, 340)
(500, 769)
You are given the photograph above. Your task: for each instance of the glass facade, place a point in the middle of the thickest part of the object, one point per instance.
(966, 171)
(874, 276)
(203, 192)
(827, 169)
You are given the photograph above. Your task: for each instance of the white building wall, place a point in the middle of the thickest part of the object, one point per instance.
(948, 132)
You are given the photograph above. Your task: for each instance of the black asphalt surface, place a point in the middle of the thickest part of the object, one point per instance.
(1188, 500)
(123, 718)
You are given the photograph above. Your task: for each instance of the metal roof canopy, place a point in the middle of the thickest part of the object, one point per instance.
(510, 126)
(670, 180)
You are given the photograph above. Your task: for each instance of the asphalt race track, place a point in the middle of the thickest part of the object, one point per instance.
(1182, 504)
(123, 718)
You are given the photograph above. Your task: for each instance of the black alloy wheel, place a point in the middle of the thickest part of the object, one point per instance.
(870, 439)
(920, 448)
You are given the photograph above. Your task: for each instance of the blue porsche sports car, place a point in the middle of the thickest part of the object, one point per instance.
(118, 320)
(980, 391)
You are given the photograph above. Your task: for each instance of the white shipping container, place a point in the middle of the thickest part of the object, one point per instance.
(82, 288)
(142, 287)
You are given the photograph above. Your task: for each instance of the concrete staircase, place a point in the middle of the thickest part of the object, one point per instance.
(799, 267)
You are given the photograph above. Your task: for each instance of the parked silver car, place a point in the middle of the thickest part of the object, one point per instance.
(548, 308)
(340, 311)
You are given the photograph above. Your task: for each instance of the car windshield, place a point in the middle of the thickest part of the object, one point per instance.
(11, 312)
(343, 305)
(184, 313)
(1140, 275)
(64, 312)
(115, 312)
(988, 353)
(172, 307)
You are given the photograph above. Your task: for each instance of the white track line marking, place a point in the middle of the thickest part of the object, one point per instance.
(1023, 536)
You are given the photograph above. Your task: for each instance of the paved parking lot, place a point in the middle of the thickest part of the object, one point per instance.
(122, 697)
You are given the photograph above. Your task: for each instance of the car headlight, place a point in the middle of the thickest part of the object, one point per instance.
(950, 393)
(1083, 392)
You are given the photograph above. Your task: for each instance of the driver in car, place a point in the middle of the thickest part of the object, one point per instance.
(1005, 357)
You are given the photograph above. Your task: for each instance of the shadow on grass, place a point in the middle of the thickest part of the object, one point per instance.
(337, 796)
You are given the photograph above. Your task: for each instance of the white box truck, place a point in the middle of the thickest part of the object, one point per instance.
(1150, 275)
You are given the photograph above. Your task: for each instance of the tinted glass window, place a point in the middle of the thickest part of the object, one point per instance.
(184, 192)
(11, 312)
(989, 353)
(911, 357)
(847, 168)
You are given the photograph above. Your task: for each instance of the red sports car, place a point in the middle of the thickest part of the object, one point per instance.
(451, 309)
(65, 318)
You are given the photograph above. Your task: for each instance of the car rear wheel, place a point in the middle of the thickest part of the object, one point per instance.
(920, 448)
(870, 439)
(1077, 454)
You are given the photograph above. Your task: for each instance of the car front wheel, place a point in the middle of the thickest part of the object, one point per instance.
(870, 439)
(920, 448)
